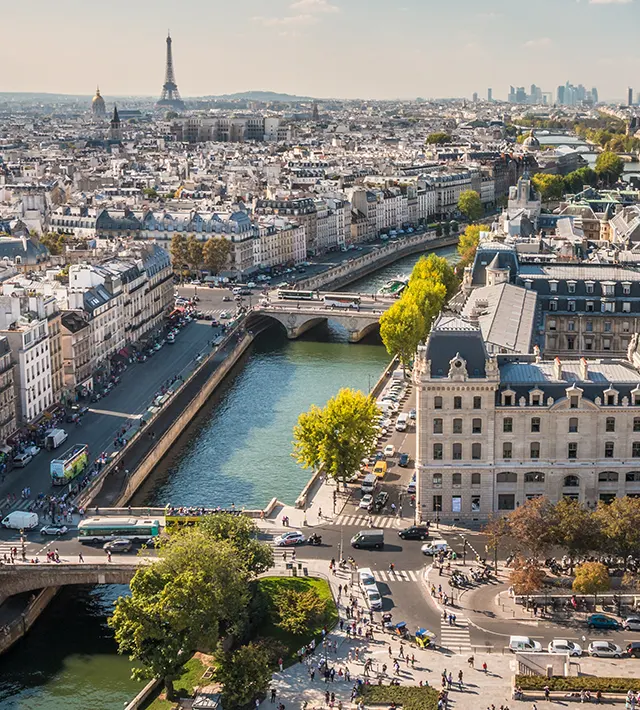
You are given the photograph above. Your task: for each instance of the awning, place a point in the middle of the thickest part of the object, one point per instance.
(124, 352)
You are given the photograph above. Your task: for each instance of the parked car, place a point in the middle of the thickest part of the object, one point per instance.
(22, 460)
(54, 530)
(602, 621)
(373, 598)
(118, 545)
(564, 646)
(631, 623)
(412, 414)
(226, 299)
(35, 450)
(288, 539)
(604, 649)
(414, 532)
(633, 649)
(403, 460)
(389, 450)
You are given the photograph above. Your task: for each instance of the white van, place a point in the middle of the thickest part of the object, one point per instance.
(237, 291)
(21, 520)
(524, 644)
(434, 547)
(369, 483)
(402, 422)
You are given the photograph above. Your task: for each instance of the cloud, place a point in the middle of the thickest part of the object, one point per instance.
(538, 42)
(315, 6)
(610, 2)
(288, 21)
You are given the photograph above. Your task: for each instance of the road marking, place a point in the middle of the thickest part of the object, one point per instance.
(111, 413)
(396, 576)
(455, 637)
(380, 521)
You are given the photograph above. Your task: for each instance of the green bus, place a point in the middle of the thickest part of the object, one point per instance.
(101, 529)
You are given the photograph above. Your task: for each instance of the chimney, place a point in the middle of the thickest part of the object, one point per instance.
(557, 369)
(584, 369)
(536, 352)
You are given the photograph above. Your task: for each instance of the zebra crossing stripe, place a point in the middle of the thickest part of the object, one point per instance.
(395, 576)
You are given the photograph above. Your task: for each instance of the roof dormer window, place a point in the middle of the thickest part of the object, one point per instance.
(553, 286)
(611, 397)
(571, 286)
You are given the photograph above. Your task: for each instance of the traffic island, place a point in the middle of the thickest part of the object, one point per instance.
(410, 698)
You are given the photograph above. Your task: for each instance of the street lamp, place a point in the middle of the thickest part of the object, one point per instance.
(464, 550)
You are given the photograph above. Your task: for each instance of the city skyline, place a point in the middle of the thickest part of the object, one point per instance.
(219, 54)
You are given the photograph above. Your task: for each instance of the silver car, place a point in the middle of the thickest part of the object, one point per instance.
(632, 623)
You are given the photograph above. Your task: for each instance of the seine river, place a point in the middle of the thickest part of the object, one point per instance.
(236, 451)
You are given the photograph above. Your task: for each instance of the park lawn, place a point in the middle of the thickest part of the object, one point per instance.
(271, 587)
(184, 686)
(410, 698)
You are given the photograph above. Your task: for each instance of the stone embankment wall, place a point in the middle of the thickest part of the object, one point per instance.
(19, 626)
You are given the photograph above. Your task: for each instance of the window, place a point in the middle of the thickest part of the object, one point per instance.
(534, 477)
(571, 482)
(437, 504)
(475, 479)
(506, 501)
(571, 325)
(437, 426)
(636, 424)
(553, 305)
(589, 286)
(571, 342)
(535, 400)
(553, 286)
(635, 449)
(437, 480)
(457, 402)
(571, 306)
(437, 402)
(456, 480)
(535, 450)
(535, 424)
(606, 343)
(608, 307)
(610, 424)
(456, 504)
(633, 477)
(476, 451)
(608, 477)
(626, 307)
(507, 425)
(477, 402)
(507, 450)
(507, 477)
(476, 426)
(611, 400)
(607, 326)
(437, 452)
(625, 326)
(456, 452)
(608, 449)
(457, 426)
(571, 286)
(573, 425)
(475, 504)
(608, 289)
(626, 289)
(508, 400)
(590, 307)
(572, 450)
(588, 326)
(574, 401)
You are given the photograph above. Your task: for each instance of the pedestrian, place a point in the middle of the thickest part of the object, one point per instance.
(319, 513)
(470, 661)
(109, 558)
(460, 679)
(273, 695)
(280, 663)
(484, 666)
(80, 557)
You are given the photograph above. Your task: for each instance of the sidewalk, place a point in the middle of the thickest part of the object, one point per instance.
(294, 685)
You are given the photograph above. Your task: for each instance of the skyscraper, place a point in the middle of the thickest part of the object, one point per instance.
(594, 95)
(474, 97)
(629, 96)
(489, 94)
(170, 96)
(561, 95)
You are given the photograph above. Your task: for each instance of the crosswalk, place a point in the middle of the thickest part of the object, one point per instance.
(217, 312)
(456, 638)
(379, 521)
(396, 576)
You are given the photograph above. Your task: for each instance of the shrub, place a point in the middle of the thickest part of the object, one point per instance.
(411, 698)
(611, 685)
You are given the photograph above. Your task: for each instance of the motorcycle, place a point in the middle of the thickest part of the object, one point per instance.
(315, 539)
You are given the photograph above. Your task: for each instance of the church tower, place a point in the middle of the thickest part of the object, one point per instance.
(115, 128)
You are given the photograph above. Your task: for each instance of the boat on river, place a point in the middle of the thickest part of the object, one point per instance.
(394, 287)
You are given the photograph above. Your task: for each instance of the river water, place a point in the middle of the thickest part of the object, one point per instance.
(238, 450)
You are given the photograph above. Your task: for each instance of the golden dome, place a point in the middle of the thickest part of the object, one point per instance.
(97, 98)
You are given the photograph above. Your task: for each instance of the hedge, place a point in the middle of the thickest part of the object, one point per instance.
(411, 698)
(611, 685)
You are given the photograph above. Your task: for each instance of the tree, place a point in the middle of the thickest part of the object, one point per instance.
(468, 243)
(496, 529)
(572, 528)
(619, 526)
(439, 229)
(550, 187)
(151, 193)
(179, 604)
(435, 268)
(54, 242)
(402, 328)
(242, 533)
(439, 138)
(216, 254)
(244, 674)
(338, 436)
(454, 226)
(575, 182)
(531, 524)
(470, 205)
(591, 578)
(609, 167)
(299, 611)
(526, 577)
(178, 250)
(194, 252)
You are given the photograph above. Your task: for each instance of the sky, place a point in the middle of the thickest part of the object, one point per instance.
(376, 49)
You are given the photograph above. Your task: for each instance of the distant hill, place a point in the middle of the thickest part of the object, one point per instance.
(261, 96)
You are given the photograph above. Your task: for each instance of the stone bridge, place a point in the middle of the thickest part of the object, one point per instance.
(18, 578)
(297, 317)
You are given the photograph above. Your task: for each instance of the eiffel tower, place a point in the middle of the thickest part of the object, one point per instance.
(170, 97)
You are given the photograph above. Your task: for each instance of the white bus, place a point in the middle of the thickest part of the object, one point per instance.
(341, 300)
(402, 422)
(105, 528)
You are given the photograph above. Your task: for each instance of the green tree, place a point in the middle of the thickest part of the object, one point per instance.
(244, 675)
(439, 138)
(550, 187)
(454, 226)
(299, 611)
(402, 328)
(435, 268)
(574, 182)
(54, 242)
(573, 528)
(194, 253)
(242, 533)
(591, 578)
(619, 526)
(470, 205)
(179, 604)
(178, 250)
(151, 193)
(338, 436)
(531, 524)
(216, 253)
(439, 229)
(468, 243)
(609, 167)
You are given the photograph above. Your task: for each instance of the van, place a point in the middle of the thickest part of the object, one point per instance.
(402, 422)
(54, 438)
(237, 291)
(368, 539)
(434, 547)
(21, 460)
(21, 520)
(380, 469)
(368, 484)
(524, 644)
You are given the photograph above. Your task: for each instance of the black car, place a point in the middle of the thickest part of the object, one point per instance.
(414, 532)
(380, 501)
(633, 649)
(403, 460)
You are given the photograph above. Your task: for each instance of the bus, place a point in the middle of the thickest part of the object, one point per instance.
(177, 522)
(101, 529)
(71, 464)
(341, 300)
(293, 295)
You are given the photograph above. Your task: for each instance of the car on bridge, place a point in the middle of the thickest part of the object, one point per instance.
(289, 539)
(118, 545)
(56, 530)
